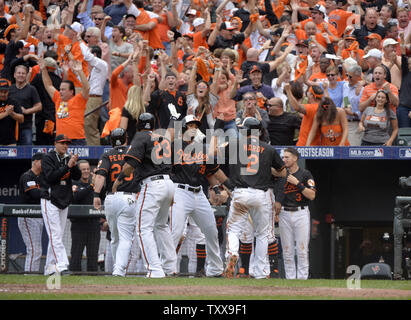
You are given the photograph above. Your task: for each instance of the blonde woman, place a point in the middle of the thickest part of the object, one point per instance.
(132, 109)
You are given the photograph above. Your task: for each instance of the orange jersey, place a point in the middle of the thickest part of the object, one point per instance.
(62, 41)
(320, 27)
(199, 40)
(70, 115)
(306, 124)
(338, 18)
(331, 135)
(118, 90)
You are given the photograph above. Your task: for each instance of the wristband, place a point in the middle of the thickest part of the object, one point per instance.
(229, 184)
(216, 189)
(300, 186)
(96, 194)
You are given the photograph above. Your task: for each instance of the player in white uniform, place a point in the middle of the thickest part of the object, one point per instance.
(150, 155)
(120, 206)
(189, 170)
(294, 218)
(31, 228)
(251, 181)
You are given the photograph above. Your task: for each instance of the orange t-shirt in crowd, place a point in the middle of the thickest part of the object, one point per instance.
(225, 104)
(143, 18)
(339, 18)
(199, 40)
(118, 90)
(302, 35)
(331, 135)
(70, 115)
(34, 70)
(370, 89)
(163, 27)
(318, 76)
(154, 36)
(62, 41)
(306, 124)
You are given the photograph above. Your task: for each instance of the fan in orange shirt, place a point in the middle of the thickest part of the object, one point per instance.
(317, 16)
(339, 17)
(331, 122)
(68, 43)
(352, 49)
(202, 29)
(315, 95)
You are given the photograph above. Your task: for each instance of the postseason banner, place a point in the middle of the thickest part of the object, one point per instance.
(332, 153)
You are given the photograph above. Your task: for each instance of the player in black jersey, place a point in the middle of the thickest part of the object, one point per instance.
(31, 228)
(250, 177)
(120, 207)
(294, 218)
(189, 170)
(150, 155)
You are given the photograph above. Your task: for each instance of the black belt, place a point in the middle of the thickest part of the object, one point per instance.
(124, 192)
(353, 120)
(293, 208)
(192, 189)
(154, 178)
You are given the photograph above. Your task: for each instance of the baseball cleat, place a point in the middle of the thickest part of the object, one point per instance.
(230, 269)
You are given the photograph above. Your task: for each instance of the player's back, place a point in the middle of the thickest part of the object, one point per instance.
(150, 153)
(253, 165)
(110, 166)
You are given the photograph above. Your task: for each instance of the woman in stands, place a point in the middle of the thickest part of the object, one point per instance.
(379, 123)
(332, 124)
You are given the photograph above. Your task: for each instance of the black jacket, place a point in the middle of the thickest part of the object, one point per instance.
(59, 178)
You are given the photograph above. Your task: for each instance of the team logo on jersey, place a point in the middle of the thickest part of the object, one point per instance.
(147, 126)
(311, 182)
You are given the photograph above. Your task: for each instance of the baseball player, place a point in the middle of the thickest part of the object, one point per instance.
(294, 217)
(59, 169)
(151, 155)
(188, 172)
(250, 180)
(31, 228)
(120, 206)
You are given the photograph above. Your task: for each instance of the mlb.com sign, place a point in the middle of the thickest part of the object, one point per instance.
(366, 153)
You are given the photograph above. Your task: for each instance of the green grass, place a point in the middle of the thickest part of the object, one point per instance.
(221, 282)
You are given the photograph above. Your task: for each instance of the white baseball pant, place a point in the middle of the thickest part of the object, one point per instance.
(271, 230)
(55, 221)
(121, 218)
(31, 230)
(254, 202)
(295, 236)
(135, 262)
(156, 243)
(108, 258)
(197, 206)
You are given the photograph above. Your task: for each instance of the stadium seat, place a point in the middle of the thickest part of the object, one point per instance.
(404, 137)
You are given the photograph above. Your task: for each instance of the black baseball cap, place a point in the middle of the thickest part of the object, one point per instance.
(37, 156)
(255, 68)
(4, 84)
(62, 138)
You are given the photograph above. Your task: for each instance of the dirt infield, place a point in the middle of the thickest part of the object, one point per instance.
(193, 291)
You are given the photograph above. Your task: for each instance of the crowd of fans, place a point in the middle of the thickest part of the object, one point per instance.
(332, 72)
